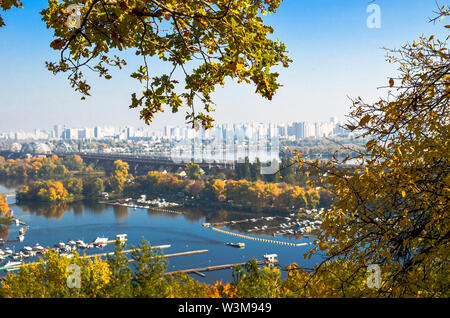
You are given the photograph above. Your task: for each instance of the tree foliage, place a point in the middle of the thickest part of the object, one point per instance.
(392, 209)
(8, 4)
(119, 175)
(206, 42)
(4, 208)
(193, 171)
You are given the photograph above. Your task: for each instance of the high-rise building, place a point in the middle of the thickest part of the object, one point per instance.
(57, 131)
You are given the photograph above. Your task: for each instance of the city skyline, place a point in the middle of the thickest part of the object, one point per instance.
(335, 56)
(297, 129)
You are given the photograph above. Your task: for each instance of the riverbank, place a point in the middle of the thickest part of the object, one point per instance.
(5, 220)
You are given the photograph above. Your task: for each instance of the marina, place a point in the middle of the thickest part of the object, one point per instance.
(76, 227)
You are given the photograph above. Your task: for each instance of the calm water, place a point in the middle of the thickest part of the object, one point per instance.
(50, 224)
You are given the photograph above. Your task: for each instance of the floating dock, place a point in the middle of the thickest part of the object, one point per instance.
(259, 239)
(199, 271)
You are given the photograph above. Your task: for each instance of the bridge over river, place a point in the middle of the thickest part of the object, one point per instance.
(139, 163)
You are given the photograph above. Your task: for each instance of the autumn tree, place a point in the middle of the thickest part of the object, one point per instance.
(393, 208)
(4, 208)
(74, 163)
(218, 187)
(48, 277)
(119, 175)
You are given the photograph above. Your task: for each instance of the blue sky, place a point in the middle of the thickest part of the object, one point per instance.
(335, 56)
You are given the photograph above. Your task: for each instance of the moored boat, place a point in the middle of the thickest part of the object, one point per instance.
(60, 245)
(81, 244)
(238, 245)
(37, 247)
(100, 241)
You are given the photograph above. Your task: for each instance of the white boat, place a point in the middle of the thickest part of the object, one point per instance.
(27, 249)
(60, 245)
(81, 244)
(21, 238)
(100, 241)
(71, 242)
(37, 247)
(11, 264)
(2, 252)
(238, 245)
(8, 251)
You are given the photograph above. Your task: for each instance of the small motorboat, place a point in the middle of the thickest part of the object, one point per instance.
(37, 247)
(11, 264)
(71, 242)
(16, 256)
(100, 241)
(238, 245)
(27, 249)
(60, 245)
(8, 251)
(81, 244)
(21, 238)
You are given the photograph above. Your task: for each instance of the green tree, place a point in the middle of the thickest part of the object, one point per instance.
(149, 268)
(287, 170)
(253, 282)
(74, 186)
(74, 163)
(92, 187)
(193, 171)
(120, 283)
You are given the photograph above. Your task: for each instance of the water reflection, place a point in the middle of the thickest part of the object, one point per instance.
(78, 209)
(121, 212)
(56, 211)
(4, 231)
(11, 184)
(49, 211)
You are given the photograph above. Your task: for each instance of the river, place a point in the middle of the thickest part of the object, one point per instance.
(50, 224)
